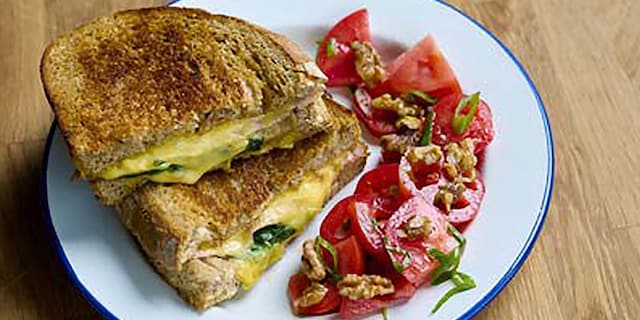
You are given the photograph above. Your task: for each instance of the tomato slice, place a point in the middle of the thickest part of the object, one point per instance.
(337, 226)
(330, 303)
(340, 66)
(412, 181)
(481, 127)
(404, 290)
(383, 185)
(377, 123)
(423, 68)
(411, 254)
(464, 210)
(350, 257)
(368, 235)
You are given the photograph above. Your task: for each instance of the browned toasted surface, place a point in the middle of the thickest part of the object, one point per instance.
(171, 220)
(122, 83)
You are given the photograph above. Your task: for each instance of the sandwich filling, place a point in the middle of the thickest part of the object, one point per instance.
(252, 251)
(184, 159)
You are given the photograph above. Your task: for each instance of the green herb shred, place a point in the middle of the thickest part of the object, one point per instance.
(428, 127)
(461, 122)
(321, 242)
(255, 144)
(332, 47)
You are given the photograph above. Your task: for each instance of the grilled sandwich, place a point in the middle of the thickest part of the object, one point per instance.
(167, 94)
(218, 235)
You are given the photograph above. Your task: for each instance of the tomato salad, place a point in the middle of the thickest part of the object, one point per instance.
(401, 229)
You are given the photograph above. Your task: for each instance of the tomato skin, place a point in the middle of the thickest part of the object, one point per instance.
(330, 303)
(350, 257)
(368, 235)
(421, 264)
(464, 210)
(336, 226)
(383, 185)
(424, 68)
(340, 68)
(377, 123)
(481, 127)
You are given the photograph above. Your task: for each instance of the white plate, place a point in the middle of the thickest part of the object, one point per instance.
(105, 263)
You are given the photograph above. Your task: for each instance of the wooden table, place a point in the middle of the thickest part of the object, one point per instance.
(582, 54)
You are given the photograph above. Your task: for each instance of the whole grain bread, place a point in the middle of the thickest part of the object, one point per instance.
(172, 221)
(122, 83)
(304, 120)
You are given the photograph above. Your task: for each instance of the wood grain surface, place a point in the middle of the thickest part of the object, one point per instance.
(582, 54)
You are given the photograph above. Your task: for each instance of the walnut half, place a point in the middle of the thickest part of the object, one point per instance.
(364, 286)
(312, 265)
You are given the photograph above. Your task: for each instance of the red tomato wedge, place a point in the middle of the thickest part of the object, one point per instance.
(362, 217)
(411, 254)
(423, 68)
(336, 226)
(464, 210)
(404, 290)
(481, 127)
(350, 257)
(383, 185)
(330, 303)
(377, 123)
(339, 66)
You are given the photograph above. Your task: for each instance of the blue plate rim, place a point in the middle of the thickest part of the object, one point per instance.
(475, 309)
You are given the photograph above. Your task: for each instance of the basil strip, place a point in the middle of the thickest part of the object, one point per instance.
(321, 242)
(428, 127)
(463, 282)
(413, 94)
(331, 47)
(460, 122)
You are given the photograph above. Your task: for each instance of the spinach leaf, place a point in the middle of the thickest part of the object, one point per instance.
(271, 235)
(255, 144)
(158, 166)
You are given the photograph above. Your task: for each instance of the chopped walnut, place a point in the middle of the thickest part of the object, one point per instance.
(410, 122)
(427, 154)
(368, 63)
(418, 226)
(399, 143)
(399, 106)
(364, 286)
(448, 195)
(312, 294)
(461, 160)
(312, 265)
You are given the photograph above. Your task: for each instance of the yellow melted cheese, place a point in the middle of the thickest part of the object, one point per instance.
(294, 208)
(200, 153)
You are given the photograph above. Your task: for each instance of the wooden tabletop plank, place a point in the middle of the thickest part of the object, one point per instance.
(583, 56)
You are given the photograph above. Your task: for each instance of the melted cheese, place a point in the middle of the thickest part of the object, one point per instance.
(294, 208)
(200, 153)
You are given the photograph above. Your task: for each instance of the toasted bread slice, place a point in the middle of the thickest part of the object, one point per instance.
(186, 230)
(127, 82)
(303, 121)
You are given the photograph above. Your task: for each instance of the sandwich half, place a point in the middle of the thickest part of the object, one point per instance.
(220, 234)
(167, 94)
